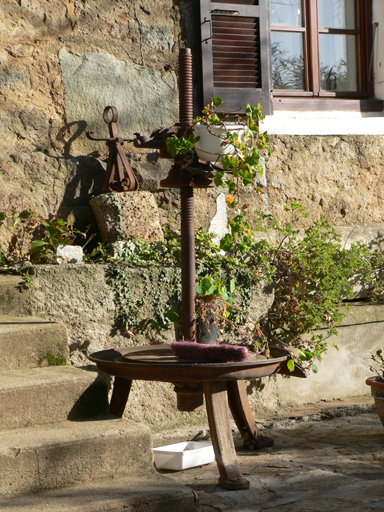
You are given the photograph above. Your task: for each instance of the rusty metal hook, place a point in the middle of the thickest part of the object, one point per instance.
(119, 175)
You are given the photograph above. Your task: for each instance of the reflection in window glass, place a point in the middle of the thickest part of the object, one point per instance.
(287, 60)
(286, 12)
(338, 67)
(336, 13)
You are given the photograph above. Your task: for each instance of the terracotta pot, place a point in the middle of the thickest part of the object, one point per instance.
(377, 391)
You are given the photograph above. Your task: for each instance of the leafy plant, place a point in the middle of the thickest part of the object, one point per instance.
(377, 367)
(51, 233)
(209, 115)
(311, 273)
(34, 238)
(20, 226)
(244, 163)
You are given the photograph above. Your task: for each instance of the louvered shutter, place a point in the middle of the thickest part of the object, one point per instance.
(236, 57)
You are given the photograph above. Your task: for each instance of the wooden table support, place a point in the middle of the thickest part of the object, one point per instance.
(218, 418)
(120, 394)
(242, 414)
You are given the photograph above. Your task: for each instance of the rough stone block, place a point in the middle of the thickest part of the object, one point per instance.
(46, 395)
(127, 214)
(66, 453)
(13, 295)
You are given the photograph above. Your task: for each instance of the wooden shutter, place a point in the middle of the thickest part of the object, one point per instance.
(235, 39)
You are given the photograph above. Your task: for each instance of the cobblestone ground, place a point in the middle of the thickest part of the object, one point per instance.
(326, 461)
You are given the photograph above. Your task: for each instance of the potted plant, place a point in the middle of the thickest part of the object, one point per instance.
(376, 382)
(211, 308)
(212, 130)
(238, 147)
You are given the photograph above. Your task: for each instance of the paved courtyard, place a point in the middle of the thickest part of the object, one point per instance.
(325, 459)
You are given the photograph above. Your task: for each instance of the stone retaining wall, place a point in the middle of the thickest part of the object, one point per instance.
(81, 297)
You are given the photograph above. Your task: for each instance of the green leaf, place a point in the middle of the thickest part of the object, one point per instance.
(216, 101)
(214, 119)
(36, 245)
(25, 214)
(218, 179)
(314, 368)
(290, 365)
(173, 316)
(231, 186)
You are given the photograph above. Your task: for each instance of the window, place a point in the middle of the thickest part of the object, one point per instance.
(307, 52)
(319, 47)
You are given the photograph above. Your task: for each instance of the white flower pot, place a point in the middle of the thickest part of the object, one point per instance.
(209, 146)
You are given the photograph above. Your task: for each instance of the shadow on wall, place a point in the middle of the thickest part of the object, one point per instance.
(85, 179)
(378, 242)
(64, 134)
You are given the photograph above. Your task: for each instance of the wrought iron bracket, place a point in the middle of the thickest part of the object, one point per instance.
(119, 176)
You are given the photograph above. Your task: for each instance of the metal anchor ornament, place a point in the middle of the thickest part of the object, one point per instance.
(119, 176)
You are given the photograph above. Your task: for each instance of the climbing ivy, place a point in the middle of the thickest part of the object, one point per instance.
(155, 266)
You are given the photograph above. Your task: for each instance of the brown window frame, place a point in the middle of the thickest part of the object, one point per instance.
(312, 97)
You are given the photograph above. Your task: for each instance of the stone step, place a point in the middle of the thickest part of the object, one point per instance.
(151, 492)
(46, 395)
(29, 342)
(34, 459)
(13, 295)
(362, 312)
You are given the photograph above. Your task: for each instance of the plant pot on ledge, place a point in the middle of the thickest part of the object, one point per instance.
(377, 391)
(212, 145)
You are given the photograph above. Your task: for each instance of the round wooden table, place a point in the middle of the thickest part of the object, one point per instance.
(222, 384)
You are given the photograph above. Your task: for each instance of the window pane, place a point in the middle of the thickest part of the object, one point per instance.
(336, 13)
(286, 12)
(338, 67)
(287, 60)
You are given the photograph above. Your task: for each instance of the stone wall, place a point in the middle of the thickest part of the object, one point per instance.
(82, 298)
(341, 178)
(63, 61)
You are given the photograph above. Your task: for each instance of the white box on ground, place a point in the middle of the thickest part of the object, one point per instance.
(183, 455)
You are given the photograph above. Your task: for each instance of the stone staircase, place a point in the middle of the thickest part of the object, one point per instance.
(59, 448)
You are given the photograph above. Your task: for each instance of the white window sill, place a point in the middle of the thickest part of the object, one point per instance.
(324, 123)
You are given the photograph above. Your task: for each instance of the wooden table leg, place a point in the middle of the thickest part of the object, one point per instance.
(242, 414)
(120, 393)
(218, 418)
